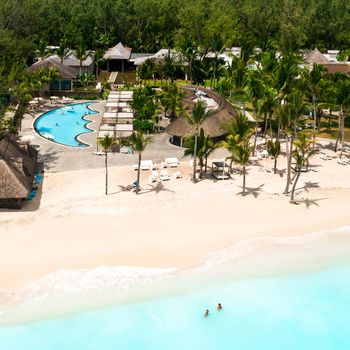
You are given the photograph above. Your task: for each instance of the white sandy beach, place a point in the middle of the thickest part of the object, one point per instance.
(170, 224)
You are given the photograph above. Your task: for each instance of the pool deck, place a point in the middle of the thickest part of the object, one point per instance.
(57, 157)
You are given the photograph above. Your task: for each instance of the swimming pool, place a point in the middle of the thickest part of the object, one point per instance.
(64, 125)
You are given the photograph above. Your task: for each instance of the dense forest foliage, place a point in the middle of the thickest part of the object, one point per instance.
(147, 25)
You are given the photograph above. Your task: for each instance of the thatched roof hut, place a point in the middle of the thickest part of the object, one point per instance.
(315, 56)
(212, 126)
(17, 168)
(65, 71)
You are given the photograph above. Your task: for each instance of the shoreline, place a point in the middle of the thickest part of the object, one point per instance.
(66, 292)
(175, 225)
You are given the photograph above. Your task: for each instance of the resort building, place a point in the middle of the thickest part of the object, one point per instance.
(67, 75)
(18, 163)
(117, 58)
(83, 66)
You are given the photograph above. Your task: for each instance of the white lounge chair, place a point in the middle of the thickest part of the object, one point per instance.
(146, 165)
(164, 176)
(154, 176)
(177, 175)
(172, 162)
(98, 153)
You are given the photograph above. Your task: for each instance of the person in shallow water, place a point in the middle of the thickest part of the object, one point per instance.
(56, 124)
(206, 314)
(219, 307)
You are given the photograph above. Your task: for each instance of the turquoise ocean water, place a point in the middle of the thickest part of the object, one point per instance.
(301, 311)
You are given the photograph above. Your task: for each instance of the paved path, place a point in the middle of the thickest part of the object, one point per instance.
(61, 158)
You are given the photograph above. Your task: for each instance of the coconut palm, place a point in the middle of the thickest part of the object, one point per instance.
(274, 150)
(314, 83)
(240, 126)
(81, 54)
(217, 46)
(255, 88)
(106, 143)
(205, 146)
(170, 100)
(63, 51)
(342, 100)
(240, 155)
(196, 118)
(301, 154)
(138, 142)
(290, 113)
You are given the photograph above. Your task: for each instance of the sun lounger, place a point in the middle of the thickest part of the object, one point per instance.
(164, 175)
(177, 175)
(32, 195)
(172, 162)
(146, 165)
(154, 176)
(37, 179)
(126, 150)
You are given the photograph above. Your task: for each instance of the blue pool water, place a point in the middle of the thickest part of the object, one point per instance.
(64, 125)
(304, 311)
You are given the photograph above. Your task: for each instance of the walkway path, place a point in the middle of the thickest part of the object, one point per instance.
(61, 158)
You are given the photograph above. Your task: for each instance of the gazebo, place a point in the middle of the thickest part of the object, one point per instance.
(220, 170)
(212, 126)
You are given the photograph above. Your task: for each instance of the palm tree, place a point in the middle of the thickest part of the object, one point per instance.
(301, 154)
(63, 51)
(342, 100)
(241, 156)
(255, 89)
(170, 100)
(274, 149)
(205, 146)
(240, 126)
(196, 118)
(138, 142)
(81, 54)
(106, 143)
(289, 114)
(217, 46)
(314, 83)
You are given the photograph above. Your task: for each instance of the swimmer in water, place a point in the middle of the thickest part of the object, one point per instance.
(206, 314)
(56, 124)
(219, 307)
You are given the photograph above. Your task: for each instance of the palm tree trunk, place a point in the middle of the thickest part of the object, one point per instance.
(275, 166)
(342, 132)
(265, 123)
(270, 124)
(243, 192)
(315, 120)
(194, 179)
(256, 131)
(106, 165)
(138, 175)
(295, 185)
(286, 190)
